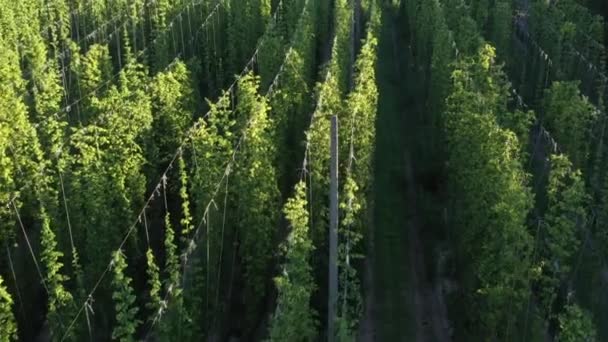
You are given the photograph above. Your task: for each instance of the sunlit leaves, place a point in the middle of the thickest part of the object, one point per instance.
(570, 117)
(566, 201)
(258, 193)
(7, 319)
(59, 297)
(124, 301)
(294, 319)
(489, 193)
(576, 325)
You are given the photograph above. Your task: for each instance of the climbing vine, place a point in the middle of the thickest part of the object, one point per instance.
(293, 318)
(98, 99)
(153, 273)
(258, 195)
(566, 201)
(358, 136)
(186, 219)
(59, 298)
(576, 325)
(212, 145)
(289, 101)
(487, 174)
(570, 117)
(124, 298)
(7, 320)
(172, 108)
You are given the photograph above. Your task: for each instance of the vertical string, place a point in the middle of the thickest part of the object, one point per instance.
(84, 24)
(310, 206)
(203, 12)
(190, 24)
(208, 223)
(213, 35)
(31, 250)
(118, 54)
(89, 307)
(134, 25)
(78, 113)
(146, 226)
(143, 26)
(64, 81)
(10, 260)
(221, 254)
(181, 29)
(67, 213)
(232, 98)
(194, 156)
(211, 57)
(547, 69)
(164, 181)
(536, 241)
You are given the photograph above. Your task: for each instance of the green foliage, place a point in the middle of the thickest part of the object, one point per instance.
(153, 272)
(198, 309)
(247, 22)
(358, 136)
(193, 298)
(238, 42)
(520, 123)
(290, 98)
(107, 180)
(481, 12)
(566, 209)
(119, 132)
(159, 22)
(46, 89)
(258, 194)
(124, 301)
(576, 325)
(341, 59)
(20, 151)
(360, 114)
(214, 49)
(489, 196)
(272, 46)
(566, 200)
(465, 29)
(212, 146)
(330, 103)
(172, 96)
(425, 25)
(569, 118)
(171, 257)
(564, 29)
(331, 95)
(7, 319)
(174, 317)
(59, 297)
(444, 55)
(79, 296)
(500, 25)
(93, 71)
(186, 219)
(350, 299)
(294, 319)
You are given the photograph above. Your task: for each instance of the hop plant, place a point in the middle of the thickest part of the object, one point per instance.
(124, 301)
(7, 319)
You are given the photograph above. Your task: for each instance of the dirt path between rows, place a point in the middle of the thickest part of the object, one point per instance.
(401, 303)
(431, 314)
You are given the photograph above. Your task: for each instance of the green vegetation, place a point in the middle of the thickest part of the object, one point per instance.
(165, 169)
